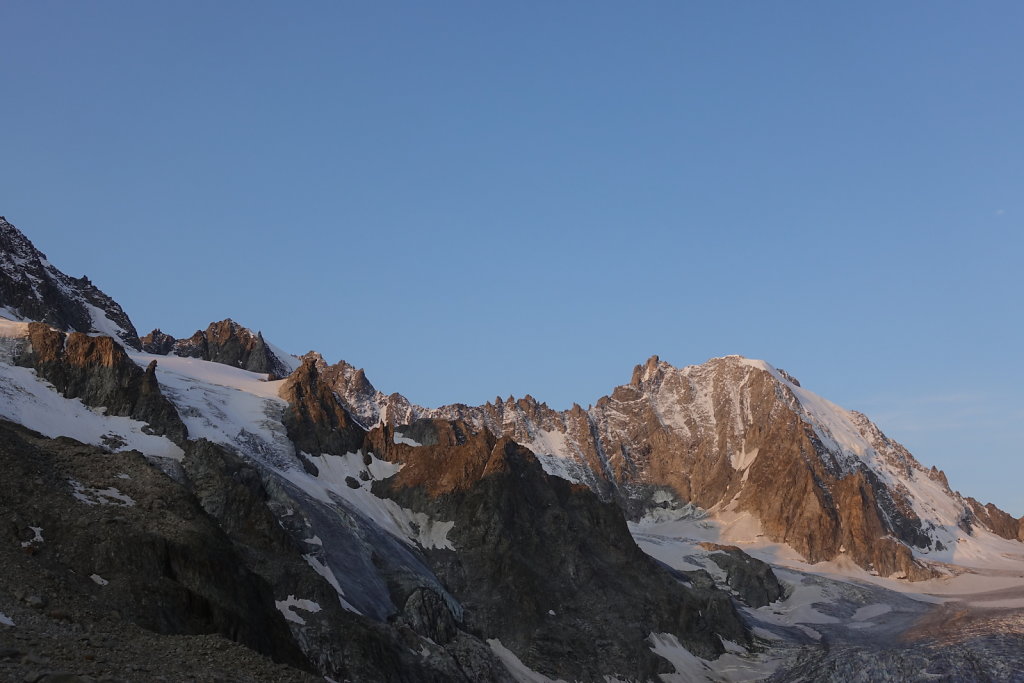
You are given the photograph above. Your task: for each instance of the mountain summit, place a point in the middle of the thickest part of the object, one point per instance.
(31, 288)
(728, 436)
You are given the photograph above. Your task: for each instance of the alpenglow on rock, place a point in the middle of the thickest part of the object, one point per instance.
(195, 506)
(729, 435)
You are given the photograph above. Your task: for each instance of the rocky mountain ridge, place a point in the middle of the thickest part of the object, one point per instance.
(378, 540)
(728, 435)
(350, 575)
(31, 288)
(224, 342)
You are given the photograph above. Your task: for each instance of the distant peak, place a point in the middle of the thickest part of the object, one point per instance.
(650, 370)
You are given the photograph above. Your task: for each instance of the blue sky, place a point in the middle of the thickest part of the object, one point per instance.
(470, 199)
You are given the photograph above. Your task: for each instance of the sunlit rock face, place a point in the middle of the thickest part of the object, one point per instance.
(735, 435)
(98, 371)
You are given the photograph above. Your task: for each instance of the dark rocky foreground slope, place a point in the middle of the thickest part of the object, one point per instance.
(103, 555)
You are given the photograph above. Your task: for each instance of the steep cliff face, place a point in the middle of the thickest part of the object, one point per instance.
(31, 288)
(316, 421)
(98, 371)
(224, 342)
(543, 564)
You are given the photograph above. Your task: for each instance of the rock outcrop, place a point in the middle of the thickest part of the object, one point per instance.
(158, 343)
(996, 520)
(99, 372)
(543, 564)
(753, 580)
(31, 288)
(224, 342)
(316, 421)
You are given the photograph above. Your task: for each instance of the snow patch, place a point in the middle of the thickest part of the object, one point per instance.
(104, 326)
(226, 405)
(6, 620)
(92, 496)
(287, 607)
(289, 360)
(323, 570)
(37, 538)
(28, 400)
(689, 667)
(401, 438)
(334, 473)
(98, 580)
(519, 671)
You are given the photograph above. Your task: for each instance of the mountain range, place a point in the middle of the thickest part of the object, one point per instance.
(214, 508)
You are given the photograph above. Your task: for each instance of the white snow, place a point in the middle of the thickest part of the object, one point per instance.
(226, 405)
(331, 483)
(28, 400)
(689, 667)
(562, 467)
(93, 496)
(6, 620)
(37, 537)
(832, 423)
(98, 580)
(402, 439)
(291, 603)
(735, 666)
(519, 671)
(325, 571)
(289, 360)
(853, 440)
(102, 325)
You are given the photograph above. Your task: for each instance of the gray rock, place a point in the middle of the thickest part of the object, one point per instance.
(752, 579)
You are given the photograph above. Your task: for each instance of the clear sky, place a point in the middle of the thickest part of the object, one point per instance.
(474, 198)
